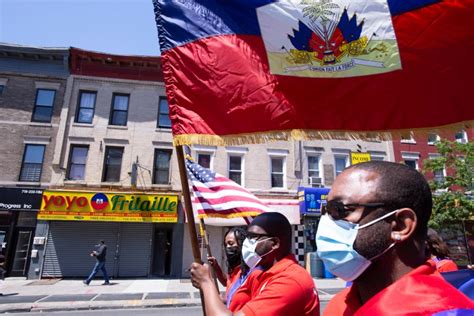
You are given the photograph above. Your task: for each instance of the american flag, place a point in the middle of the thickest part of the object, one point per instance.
(218, 196)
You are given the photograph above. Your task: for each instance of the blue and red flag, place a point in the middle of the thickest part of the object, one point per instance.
(249, 71)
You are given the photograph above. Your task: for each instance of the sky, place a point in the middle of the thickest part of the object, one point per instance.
(125, 27)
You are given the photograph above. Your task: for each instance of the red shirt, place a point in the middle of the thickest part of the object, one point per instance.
(244, 293)
(444, 265)
(423, 291)
(231, 278)
(284, 289)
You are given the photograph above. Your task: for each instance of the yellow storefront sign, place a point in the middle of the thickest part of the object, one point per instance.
(108, 207)
(359, 157)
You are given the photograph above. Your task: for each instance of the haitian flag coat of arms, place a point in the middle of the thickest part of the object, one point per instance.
(256, 70)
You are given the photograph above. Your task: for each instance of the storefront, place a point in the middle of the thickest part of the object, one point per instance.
(18, 209)
(311, 200)
(143, 234)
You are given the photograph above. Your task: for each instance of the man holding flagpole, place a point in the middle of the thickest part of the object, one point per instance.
(284, 288)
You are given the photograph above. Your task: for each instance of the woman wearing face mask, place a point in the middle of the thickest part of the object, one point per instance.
(237, 280)
(438, 252)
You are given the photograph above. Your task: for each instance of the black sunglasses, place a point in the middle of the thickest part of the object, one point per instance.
(338, 210)
(251, 236)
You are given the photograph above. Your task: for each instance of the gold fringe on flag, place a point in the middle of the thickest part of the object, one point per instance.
(233, 215)
(298, 134)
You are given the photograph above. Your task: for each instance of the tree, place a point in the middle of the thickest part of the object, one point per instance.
(453, 199)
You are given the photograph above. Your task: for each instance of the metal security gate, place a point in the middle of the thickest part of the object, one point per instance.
(134, 256)
(69, 244)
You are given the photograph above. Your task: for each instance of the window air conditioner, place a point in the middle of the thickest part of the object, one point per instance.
(315, 182)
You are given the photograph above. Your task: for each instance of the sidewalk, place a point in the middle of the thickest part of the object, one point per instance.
(20, 295)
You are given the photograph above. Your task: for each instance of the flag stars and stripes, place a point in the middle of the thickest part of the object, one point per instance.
(218, 196)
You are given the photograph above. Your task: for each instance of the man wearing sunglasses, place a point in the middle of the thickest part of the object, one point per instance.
(284, 288)
(373, 232)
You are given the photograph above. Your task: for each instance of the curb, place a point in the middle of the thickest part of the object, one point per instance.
(103, 305)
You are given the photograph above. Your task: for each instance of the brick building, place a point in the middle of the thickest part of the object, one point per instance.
(32, 86)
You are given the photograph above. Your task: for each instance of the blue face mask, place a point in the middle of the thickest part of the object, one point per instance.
(335, 242)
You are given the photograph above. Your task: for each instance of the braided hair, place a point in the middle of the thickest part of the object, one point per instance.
(240, 234)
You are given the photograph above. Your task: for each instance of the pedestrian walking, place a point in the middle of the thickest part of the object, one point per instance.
(100, 255)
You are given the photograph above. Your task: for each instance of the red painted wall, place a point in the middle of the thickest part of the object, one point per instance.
(421, 146)
(88, 63)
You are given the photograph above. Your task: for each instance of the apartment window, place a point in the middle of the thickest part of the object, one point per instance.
(119, 113)
(438, 175)
(461, 137)
(377, 158)
(204, 160)
(412, 163)
(278, 172)
(164, 114)
(432, 138)
(86, 107)
(341, 163)
(44, 102)
(161, 168)
(313, 166)
(235, 169)
(77, 162)
(112, 164)
(32, 164)
(407, 138)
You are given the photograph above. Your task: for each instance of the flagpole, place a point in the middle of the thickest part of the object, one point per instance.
(188, 208)
(208, 248)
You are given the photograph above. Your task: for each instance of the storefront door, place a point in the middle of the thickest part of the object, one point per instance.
(162, 241)
(22, 241)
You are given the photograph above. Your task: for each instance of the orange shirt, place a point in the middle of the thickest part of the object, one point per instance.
(284, 289)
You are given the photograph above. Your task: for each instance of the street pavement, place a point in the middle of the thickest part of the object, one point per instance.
(52, 295)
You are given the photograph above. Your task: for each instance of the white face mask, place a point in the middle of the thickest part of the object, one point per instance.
(250, 256)
(335, 242)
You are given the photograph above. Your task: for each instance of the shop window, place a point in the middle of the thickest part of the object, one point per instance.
(77, 162)
(43, 110)
(32, 164)
(277, 172)
(163, 114)
(86, 107)
(119, 112)
(112, 164)
(235, 168)
(161, 169)
(2, 87)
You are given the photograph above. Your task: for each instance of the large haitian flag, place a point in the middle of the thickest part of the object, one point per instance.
(248, 71)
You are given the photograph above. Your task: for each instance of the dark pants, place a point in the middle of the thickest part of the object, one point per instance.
(99, 265)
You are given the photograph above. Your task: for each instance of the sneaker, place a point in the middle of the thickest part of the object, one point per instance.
(85, 282)
(106, 283)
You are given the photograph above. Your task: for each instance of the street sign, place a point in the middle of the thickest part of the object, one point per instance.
(359, 157)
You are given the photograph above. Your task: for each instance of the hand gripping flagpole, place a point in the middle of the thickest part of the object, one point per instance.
(205, 238)
(188, 208)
